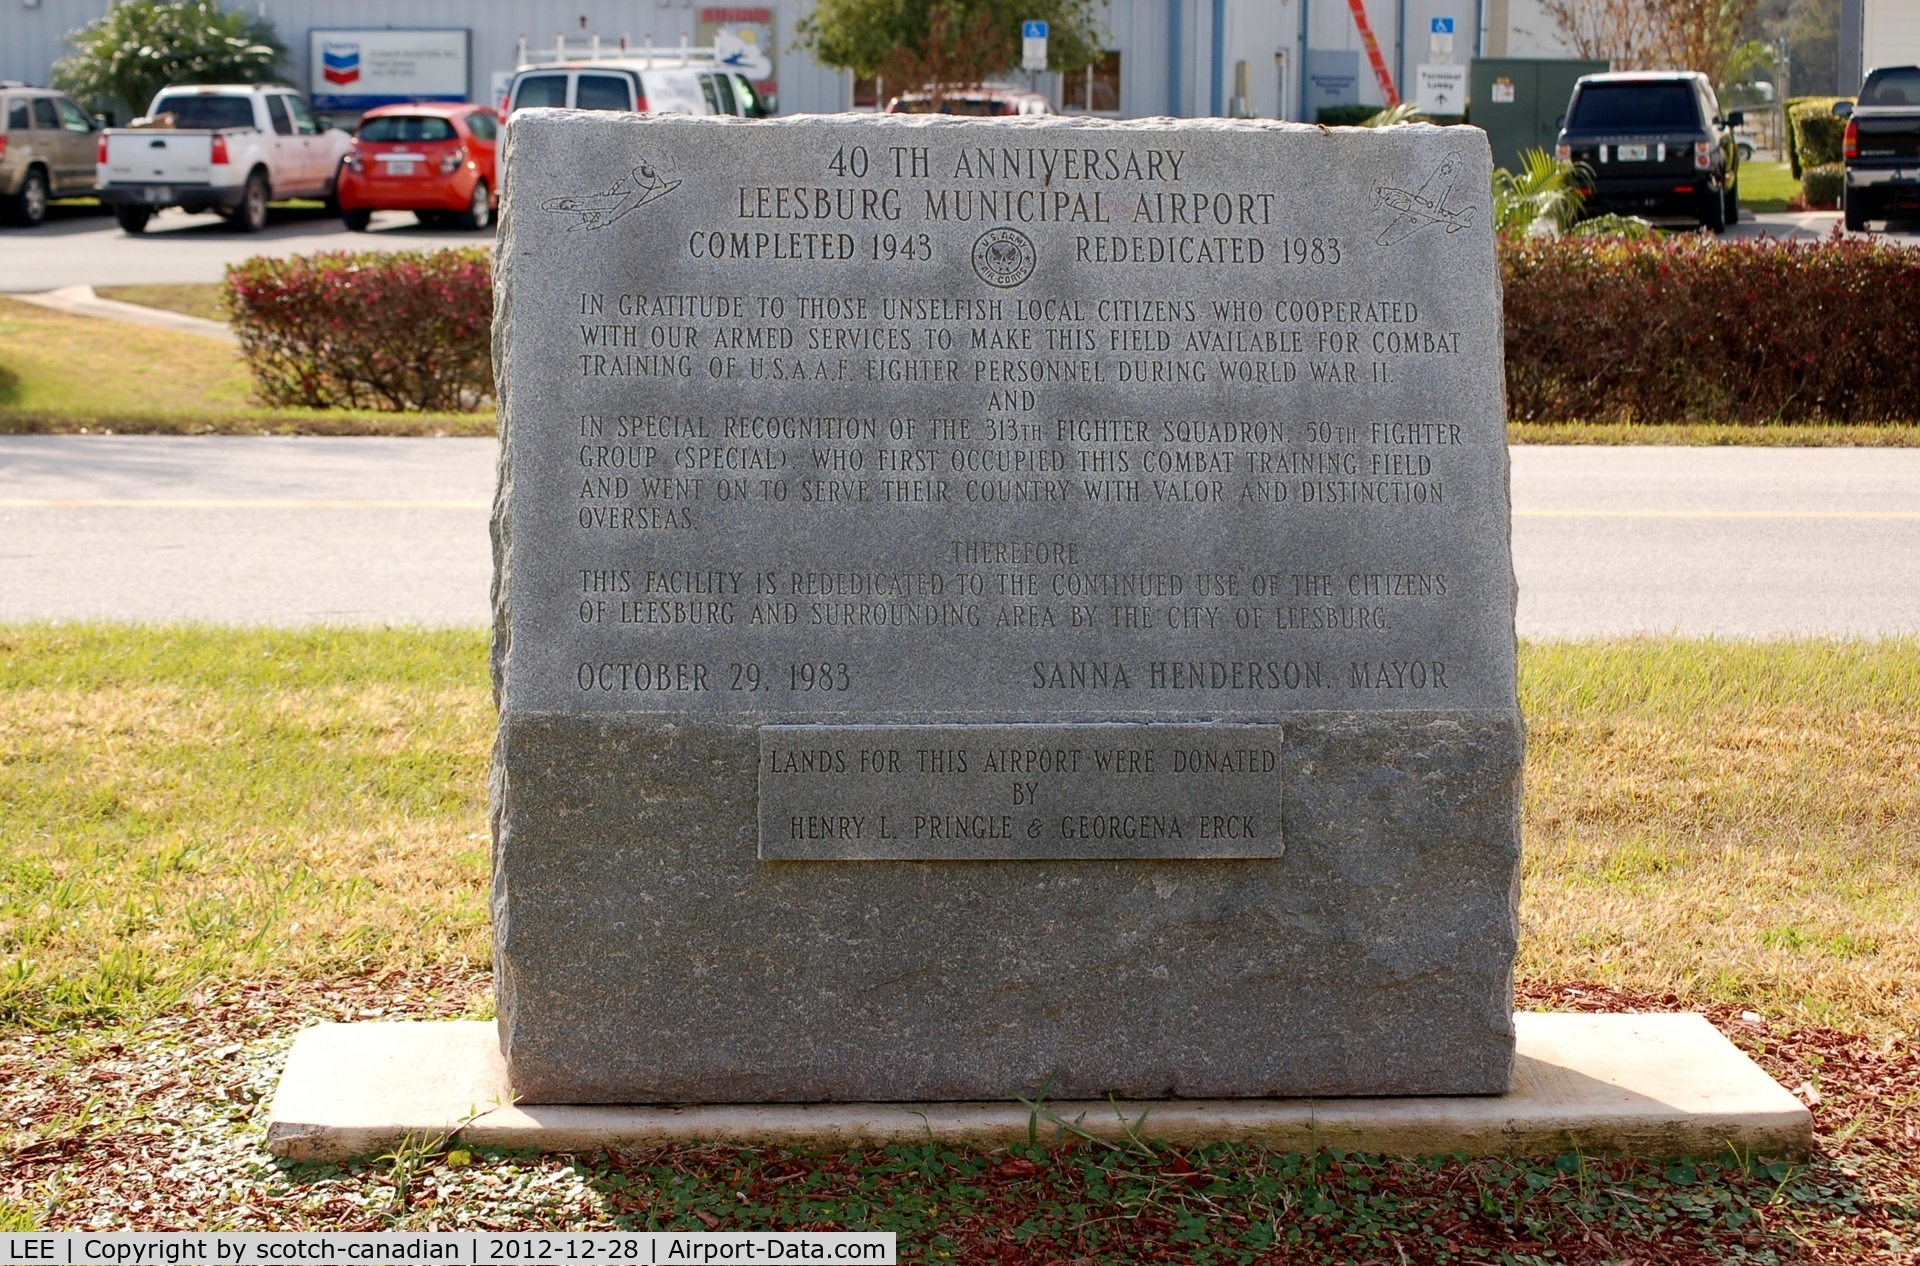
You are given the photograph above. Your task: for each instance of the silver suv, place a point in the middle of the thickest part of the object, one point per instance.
(47, 150)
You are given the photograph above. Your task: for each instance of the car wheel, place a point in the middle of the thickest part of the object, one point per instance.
(1853, 207)
(356, 221)
(133, 219)
(1746, 153)
(30, 204)
(251, 215)
(1713, 215)
(1732, 200)
(479, 213)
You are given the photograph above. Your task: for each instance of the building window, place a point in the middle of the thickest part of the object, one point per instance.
(1095, 89)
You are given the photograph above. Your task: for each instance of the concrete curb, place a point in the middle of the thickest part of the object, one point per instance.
(82, 301)
(1643, 1085)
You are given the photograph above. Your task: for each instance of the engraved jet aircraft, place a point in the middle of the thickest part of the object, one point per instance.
(1417, 210)
(597, 210)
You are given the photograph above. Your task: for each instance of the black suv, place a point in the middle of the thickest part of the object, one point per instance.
(1654, 145)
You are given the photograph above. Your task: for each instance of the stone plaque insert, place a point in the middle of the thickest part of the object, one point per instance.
(1018, 792)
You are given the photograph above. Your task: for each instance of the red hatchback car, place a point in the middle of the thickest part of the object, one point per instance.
(436, 161)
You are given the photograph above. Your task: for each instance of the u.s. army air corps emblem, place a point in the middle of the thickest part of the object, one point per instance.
(1433, 203)
(1004, 258)
(595, 211)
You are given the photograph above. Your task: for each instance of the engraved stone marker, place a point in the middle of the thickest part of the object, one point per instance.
(977, 598)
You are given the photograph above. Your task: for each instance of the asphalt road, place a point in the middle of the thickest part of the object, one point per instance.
(86, 247)
(1741, 542)
(244, 530)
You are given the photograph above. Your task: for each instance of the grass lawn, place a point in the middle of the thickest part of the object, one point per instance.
(200, 299)
(51, 362)
(1731, 822)
(210, 837)
(1767, 186)
(61, 373)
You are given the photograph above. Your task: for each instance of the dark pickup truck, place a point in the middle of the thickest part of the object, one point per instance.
(1654, 144)
(1883, 147)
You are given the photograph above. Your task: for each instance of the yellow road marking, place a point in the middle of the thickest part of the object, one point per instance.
(1716, 514)
(106, 503)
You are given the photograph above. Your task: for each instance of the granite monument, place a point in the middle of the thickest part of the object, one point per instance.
(984, 599)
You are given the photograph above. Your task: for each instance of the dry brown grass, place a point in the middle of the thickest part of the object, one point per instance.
(1714, 435)
(197, 299)
(1728, 821)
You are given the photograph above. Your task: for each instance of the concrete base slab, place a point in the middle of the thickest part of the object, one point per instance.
(1647, 1085)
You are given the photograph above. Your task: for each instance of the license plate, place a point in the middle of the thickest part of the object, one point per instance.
(159, 193)
(399, 169)
(1633, 153)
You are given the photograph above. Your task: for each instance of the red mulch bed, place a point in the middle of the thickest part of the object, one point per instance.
(161, 1127)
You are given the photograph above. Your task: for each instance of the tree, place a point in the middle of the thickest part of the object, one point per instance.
(1710, 36)
(912, 43)
(1810, 29)
(141, 46)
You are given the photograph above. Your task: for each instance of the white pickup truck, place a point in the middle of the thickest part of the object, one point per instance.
(230, 148)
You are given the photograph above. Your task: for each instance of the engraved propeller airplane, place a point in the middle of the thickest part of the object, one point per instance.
(1419, 209)
(597, 210)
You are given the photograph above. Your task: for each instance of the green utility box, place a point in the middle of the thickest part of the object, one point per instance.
(1520, 101)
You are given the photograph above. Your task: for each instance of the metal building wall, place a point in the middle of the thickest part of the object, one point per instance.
(1889, 35)
(1138, 30)
(1152, 60)
(32, 38)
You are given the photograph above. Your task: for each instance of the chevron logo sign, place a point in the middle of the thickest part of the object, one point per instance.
(340, 63)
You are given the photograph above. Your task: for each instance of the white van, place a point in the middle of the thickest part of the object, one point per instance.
(685, 81)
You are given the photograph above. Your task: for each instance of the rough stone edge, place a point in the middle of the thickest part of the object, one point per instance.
(1033, 122)
(500, 536)
(1469, 1125)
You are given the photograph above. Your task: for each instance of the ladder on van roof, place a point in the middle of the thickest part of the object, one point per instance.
(592, 50)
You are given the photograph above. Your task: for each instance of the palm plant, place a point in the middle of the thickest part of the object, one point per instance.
(1542, 200)
(1392, 116)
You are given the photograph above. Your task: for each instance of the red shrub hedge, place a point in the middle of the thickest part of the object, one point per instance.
(1674, 329)
(409, 330)
(1687, 329)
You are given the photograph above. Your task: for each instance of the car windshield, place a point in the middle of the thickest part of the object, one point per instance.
(1630, 107)
(1892, 88)
(194, 110)
(406, 127)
